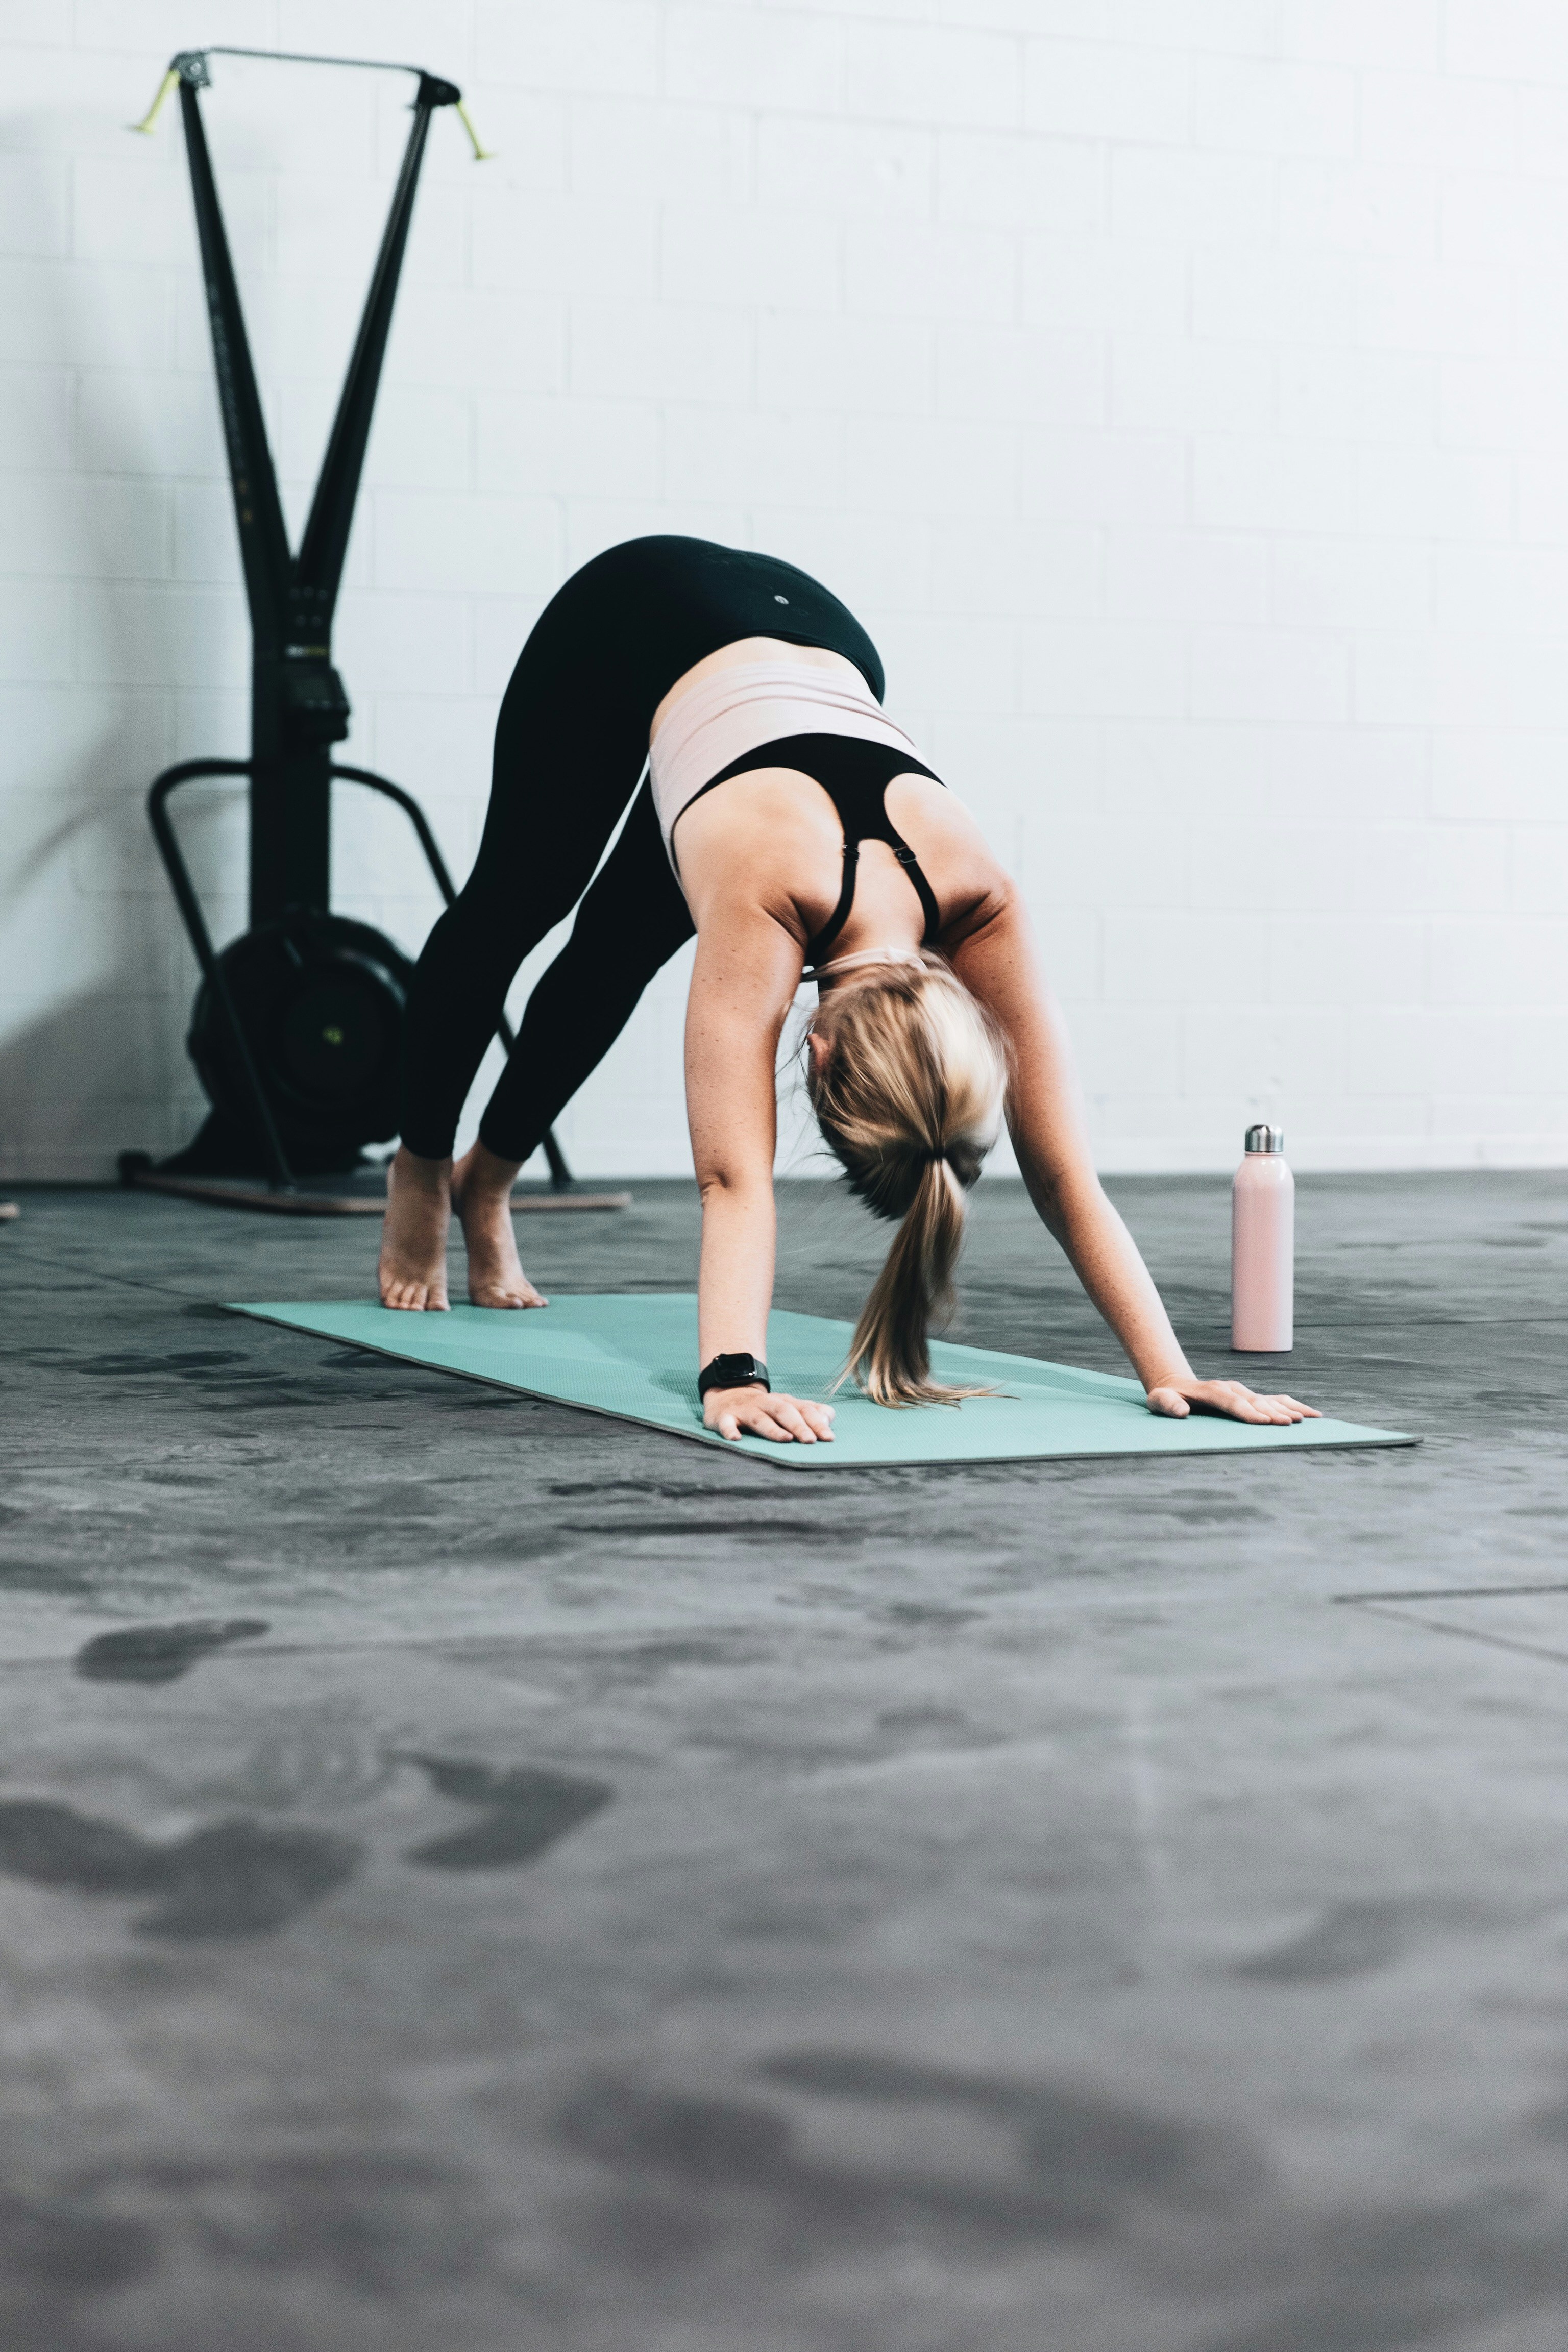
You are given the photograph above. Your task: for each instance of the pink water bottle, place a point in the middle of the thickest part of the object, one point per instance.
(1263, 1246)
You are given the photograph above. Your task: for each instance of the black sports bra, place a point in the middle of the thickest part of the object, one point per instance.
(855, 774)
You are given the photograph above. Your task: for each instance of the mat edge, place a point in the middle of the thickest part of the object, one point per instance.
(801, 1459)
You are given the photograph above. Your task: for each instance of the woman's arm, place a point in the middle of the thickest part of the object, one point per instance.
(1045, 1116)
(745, 977)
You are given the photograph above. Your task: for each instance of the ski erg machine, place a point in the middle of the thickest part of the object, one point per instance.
(296, 1027)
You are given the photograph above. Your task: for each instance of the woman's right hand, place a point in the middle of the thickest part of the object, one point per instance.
(757, 1412)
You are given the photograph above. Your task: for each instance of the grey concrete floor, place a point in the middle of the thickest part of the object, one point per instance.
(478, 1877)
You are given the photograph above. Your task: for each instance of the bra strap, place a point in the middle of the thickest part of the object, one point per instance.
(912, 866)
(816, 949)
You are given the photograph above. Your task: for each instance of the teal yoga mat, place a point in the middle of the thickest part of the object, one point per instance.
(635, 1357)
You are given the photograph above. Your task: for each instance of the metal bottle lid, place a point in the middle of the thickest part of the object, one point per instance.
(1266, 1138)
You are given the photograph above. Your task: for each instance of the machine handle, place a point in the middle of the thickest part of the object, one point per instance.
(281, 1177)
(169, 81)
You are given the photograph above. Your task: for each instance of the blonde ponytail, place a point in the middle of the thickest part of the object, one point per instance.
(908, 1085)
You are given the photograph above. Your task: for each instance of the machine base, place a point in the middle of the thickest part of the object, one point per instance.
(355, 1192)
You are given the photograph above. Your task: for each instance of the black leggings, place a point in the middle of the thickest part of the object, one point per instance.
(571, 743)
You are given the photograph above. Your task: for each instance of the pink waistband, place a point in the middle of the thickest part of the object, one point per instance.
(737, 710)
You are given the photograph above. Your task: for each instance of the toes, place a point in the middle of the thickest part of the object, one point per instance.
(410, 1298)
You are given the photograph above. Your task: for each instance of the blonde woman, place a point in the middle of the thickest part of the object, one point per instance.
(787, 821)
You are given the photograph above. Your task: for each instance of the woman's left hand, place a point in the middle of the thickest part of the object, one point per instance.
(1231, 1399)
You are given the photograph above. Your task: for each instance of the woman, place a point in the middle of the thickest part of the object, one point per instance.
(705, 665)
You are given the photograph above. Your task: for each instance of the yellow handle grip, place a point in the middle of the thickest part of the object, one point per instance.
(481, 154)
(150, 117)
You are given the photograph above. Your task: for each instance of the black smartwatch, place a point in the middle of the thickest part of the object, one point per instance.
(732, 1372)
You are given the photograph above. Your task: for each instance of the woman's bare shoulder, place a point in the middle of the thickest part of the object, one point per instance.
(945, 836)
(927, 803)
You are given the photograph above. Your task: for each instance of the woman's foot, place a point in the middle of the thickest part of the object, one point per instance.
(482, 1195)
(413, 1269)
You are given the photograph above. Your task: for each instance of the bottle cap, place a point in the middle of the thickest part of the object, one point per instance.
(1266, 1138)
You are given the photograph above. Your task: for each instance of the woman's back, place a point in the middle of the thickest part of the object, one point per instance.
(772, 840)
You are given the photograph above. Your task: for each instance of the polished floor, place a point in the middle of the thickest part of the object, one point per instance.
(477, 1878)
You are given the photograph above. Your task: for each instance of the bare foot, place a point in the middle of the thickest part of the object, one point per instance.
(413, 1269)
(482, 1195)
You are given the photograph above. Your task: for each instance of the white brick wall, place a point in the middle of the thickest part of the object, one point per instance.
(1178, 387)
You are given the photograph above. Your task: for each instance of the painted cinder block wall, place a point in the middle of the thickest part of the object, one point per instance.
(1178, 387)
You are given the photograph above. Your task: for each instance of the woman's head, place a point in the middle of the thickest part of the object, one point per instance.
(907, 1077)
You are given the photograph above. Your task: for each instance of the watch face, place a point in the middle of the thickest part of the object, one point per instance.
(734, 1372)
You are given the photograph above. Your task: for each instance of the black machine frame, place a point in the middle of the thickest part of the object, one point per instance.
(299, 705)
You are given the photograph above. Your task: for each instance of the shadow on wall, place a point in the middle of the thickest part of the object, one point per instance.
(96, 994)
(128, 537)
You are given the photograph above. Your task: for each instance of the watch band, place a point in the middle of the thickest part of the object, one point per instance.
(734, 1372)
